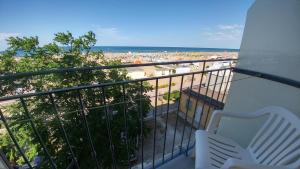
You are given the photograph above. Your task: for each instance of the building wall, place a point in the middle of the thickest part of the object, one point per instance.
(271, 45)
(136, 75)
(193, 100)
(162, 72)
(182, 70)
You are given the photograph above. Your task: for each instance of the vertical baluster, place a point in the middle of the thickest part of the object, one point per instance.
(177, 115)
(204, 100)
(221, 84)
(14, 139)
(61, 126)
(211, 98)
(82, 107)
(108, 127)
(37, 133)
(154, 133)
(194, 115)
(166, 127)
(226, 86)
(187, 110)
(126, 124)
(142, 125)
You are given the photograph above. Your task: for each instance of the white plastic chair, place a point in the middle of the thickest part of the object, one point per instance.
(275, 146)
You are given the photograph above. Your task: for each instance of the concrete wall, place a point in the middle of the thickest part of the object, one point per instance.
(193, 100)
(271, 44)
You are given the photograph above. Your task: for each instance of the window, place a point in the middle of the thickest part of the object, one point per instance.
(189, 105)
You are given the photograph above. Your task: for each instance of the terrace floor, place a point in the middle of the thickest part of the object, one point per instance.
(181, 162)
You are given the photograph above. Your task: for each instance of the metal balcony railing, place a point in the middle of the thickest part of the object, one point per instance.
(175, 112)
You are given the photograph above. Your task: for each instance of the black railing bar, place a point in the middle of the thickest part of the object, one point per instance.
(202, 110)
(176, 154)
(194, 115)
(14, 140)
(220, 88)
(267, 76)
(61, 125)
(166, 127)
(154, 133)
(37, 133)
(68, 89)
(67, 70)
(126, 123)
(71, 165)
(108, 126)
(226, 86)
(212, 97)
(142, 125)
(187, 110)
(114, 104)
(86, 126)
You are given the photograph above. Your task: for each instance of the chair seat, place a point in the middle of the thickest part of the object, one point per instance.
(213, 150)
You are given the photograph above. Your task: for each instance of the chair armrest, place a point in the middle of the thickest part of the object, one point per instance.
(218, 114)
(240, 164)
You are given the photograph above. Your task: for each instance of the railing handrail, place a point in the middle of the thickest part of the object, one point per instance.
(268, 76)
(68, 89)
(63, 70)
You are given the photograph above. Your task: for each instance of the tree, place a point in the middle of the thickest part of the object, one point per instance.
(44, 114)
(28, 45)
(174, 95)
(88, 40)
(66, 39)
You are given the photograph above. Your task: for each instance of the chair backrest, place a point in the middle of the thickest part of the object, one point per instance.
(277, 143)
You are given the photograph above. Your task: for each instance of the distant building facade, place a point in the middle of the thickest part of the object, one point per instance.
(136, 73)
(217, 79)
(202, 110)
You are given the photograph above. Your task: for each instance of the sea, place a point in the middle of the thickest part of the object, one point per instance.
(143, 49)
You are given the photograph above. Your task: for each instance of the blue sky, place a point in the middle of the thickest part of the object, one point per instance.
(184, 23)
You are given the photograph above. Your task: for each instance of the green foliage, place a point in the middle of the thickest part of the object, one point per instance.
(28, 45)
(174, 95)
(166, 85)
(44, 115)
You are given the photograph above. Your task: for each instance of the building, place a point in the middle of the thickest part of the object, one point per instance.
(205, 106)
(182, 69)
(136, 72)
(218, 78)
(162, 72)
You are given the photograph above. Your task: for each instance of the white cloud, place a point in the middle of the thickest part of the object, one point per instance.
(230, 27)
(4, 36)
(111, 35)
(225, 33)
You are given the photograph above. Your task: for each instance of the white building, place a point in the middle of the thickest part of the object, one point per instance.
(217, 79)
(271, 44)
(136, 73)
(182, 69)
(162, 72)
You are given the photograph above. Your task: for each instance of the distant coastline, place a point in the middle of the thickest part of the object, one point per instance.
(149, 49)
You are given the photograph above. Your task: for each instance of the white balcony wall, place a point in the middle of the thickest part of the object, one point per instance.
(271, 44)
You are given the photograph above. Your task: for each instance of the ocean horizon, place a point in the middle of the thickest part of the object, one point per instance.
(153, 49)
(149, 49)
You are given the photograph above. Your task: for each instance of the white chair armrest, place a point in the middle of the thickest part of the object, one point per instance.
(240, 164)
(218, 114)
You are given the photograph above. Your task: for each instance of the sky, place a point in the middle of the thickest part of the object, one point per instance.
(177, 23)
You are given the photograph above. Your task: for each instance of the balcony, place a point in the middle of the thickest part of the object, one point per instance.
(144, 122)
(163, 135)
(171, 122)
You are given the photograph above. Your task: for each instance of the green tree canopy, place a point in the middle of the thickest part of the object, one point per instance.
(43, 113)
